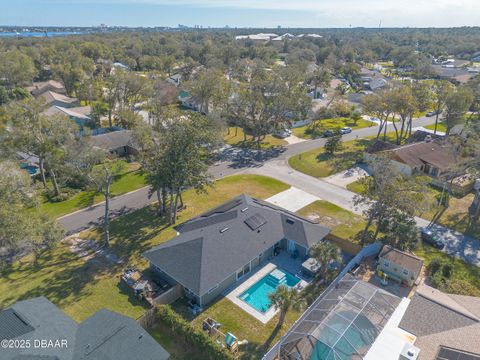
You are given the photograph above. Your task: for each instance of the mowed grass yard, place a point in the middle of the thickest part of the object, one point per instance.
(331, 124)
(130, 179)
(81, 287)
(234, 136)
(319, 164)
(343, 223)
(454, 217)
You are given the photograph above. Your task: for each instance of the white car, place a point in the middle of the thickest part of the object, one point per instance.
(345, 130)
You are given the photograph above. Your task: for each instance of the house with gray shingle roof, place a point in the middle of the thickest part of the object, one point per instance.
(105, 335)
(446, 326)
(218, 248)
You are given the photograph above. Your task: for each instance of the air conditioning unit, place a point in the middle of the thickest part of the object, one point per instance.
(409, 352)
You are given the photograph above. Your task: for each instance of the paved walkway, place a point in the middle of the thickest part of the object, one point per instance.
(292, 199)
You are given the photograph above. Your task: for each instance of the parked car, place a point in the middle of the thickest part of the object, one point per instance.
(431, 113)
(345, 130)
(429, 237)
(282, 134)
(328, 133)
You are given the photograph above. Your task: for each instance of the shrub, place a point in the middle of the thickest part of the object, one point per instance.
(198, 339)
(434, 266)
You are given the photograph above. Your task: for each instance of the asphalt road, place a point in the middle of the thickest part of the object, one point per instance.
(230, 161)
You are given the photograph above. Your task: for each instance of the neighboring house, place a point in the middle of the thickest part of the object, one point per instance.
(374, 82)
(220, 247)
(105, 335)
(345, 322)
(429, 157)
(78, 114)
(119, 143)
(54, 99)
(39, 88)
(446, 326)
(189, 101)
(452, 73)
(399, 265)
(175, 79)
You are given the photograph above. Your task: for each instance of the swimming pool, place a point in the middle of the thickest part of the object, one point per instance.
(257, 294)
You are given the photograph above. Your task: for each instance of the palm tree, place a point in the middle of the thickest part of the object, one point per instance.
(325, 253)
(285, 298)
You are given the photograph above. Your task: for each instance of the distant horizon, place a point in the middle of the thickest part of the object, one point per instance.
(206, 27)
(319, 14)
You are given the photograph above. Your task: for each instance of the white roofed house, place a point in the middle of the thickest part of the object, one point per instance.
(81, 114)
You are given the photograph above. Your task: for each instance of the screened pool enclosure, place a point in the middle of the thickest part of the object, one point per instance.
(341, 324)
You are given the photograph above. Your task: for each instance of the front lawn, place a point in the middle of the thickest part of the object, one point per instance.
(454, 217)
(81, 287)
(330, 124)
(235, 137)
(440, 127)
(131, 179)
(465, 278)
(319, 164)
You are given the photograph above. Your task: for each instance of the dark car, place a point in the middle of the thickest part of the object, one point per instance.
(429, 237)
(328, 133)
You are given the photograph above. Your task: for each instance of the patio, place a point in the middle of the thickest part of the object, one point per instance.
(282, 261)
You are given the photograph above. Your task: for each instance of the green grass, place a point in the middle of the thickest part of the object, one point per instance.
(81, 287)
(331, 124)
(454, 217)
(465, 277)
(318, 164)
(244, 326)
(235, 138)
(131, 179)
(343, 223)
(440, 127)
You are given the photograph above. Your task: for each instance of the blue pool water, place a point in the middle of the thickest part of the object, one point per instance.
(257, 294)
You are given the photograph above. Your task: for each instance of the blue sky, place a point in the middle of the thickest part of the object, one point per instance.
(268, 13)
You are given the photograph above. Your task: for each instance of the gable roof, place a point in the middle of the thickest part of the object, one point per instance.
(402, 258)
(38, 88)
(103, 336)
(112, 140)
(427, 152)
(51, 96)
(108, 335)
(80, 112)
(440, 319)
(216, 244)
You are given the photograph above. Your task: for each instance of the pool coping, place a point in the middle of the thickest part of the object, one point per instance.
(233, 295)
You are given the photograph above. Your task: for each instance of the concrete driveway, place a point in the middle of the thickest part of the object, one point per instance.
(292, 199)
(348, 176)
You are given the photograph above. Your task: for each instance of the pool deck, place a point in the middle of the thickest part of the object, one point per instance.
(233, 294)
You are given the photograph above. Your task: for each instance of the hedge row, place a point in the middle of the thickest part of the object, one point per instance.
(191, 335)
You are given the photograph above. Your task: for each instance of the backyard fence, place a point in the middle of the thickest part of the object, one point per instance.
(168, 296)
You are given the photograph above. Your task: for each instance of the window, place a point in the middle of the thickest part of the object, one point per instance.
(245, 270)
(386, 263)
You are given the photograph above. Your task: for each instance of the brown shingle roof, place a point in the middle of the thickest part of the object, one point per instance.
(404, 259)
(51, 96)
(378, 146)
(417, 154)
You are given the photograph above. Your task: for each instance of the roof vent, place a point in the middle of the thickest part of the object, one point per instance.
(290, 221)
(243, 210)
(223, 230)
